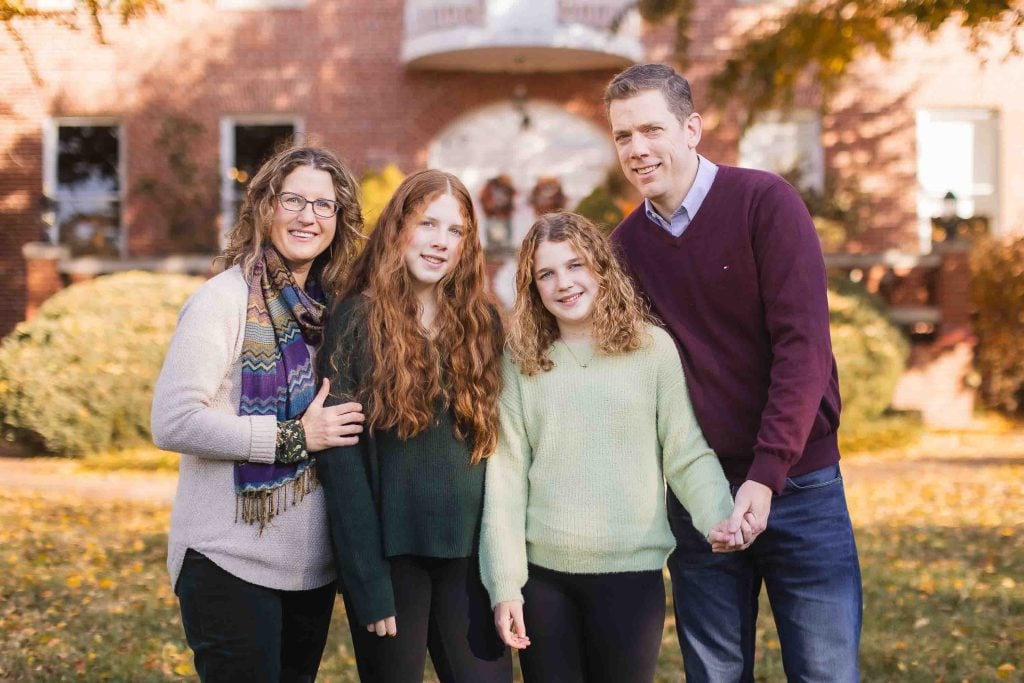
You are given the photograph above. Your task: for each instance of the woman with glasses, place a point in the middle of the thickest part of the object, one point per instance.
(249, 552)
(418, 343)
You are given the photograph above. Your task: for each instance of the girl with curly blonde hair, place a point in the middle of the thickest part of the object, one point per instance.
(417, 342)
(594, 418)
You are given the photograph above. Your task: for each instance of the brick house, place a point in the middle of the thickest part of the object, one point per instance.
(132, 153)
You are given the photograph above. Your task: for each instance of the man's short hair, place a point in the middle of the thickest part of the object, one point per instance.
(641, 77)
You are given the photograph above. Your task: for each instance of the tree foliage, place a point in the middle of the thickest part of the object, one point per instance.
(375, 189)
(997, 294)
(90, 12)
(821, 39)
(656, 11)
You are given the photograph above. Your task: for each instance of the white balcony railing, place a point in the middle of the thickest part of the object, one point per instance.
(521, 35)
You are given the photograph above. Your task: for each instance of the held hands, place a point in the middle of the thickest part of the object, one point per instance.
(749, 518)
(384, 627)
(331, 426)
(508, 619)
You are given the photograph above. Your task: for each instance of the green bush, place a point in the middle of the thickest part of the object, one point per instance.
(78, 378)
(600, 207)
(870, 351)
(997, 294)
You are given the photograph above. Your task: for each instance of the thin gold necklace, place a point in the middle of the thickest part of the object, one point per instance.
(575, 357)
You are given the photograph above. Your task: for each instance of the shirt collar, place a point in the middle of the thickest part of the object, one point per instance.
(706, 172)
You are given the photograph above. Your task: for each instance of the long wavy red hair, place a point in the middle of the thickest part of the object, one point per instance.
(411, 371)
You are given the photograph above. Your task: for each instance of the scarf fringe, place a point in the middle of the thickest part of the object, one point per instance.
(260, 507)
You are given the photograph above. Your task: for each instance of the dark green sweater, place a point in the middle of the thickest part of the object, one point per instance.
(387, 496)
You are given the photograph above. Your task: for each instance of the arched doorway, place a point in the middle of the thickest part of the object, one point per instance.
(536, 149)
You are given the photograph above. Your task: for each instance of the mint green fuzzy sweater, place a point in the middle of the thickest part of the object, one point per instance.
(577, 483)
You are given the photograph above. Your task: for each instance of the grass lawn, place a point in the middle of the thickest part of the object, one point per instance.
(84, 594)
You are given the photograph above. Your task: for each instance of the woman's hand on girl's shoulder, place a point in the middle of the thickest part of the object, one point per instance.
(331, 426)
(384, 627)
(508, 620)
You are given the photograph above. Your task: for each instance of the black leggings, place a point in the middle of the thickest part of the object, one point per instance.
(239, 631)
(592, 627)
(441, 607)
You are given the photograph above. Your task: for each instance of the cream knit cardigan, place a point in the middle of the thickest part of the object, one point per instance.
(195, 412)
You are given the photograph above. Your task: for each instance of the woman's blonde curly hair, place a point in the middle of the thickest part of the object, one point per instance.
(620, 317)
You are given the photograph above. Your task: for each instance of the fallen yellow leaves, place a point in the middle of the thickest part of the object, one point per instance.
(941, 535)
(940, 532)
(1004, 671)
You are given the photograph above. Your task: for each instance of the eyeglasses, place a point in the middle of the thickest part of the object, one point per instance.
(324, 208)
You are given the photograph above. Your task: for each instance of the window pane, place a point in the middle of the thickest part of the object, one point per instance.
(957, 152)
(789, 145)
(87, 160)
(90, 227)
(253, 146)
(88, 208)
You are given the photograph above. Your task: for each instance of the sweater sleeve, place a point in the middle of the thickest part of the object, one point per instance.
(691, 468)
(347, 476)
(506, 493)
(791, 274)
(200, 356)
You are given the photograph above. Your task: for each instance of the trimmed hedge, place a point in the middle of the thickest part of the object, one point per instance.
(997, 294)
(79, 377)
(870, 352)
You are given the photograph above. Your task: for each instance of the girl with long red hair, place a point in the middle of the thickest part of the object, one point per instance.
(416, 339)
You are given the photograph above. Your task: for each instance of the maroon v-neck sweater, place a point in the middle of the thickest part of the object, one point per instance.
(743, 293)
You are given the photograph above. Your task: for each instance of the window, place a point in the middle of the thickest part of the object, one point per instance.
(957, 151)
(82, 177)
(246, 142)
(788, 144)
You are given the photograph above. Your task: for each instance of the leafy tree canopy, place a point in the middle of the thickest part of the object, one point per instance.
(821, 39)
(90, 12)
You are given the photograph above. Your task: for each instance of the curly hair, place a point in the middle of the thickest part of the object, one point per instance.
(619, 315)
(410, 371)
(252, 230)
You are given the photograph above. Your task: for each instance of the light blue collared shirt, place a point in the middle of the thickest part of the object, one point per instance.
(706, 172)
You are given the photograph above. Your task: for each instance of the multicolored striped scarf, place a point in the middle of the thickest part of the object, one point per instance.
(277, 379)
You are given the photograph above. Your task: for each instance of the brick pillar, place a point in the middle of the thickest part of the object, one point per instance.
(953, 286)
(937, 381)
(42, 273)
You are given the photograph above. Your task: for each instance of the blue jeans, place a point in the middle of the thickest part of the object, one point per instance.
(807, 560)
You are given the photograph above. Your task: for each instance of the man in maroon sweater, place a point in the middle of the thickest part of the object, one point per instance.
(729, 260)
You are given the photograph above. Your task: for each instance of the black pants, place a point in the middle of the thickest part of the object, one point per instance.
(592, 627)
(239, 631)
(441, 607)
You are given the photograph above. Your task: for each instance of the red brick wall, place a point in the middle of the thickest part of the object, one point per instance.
(336, 64)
